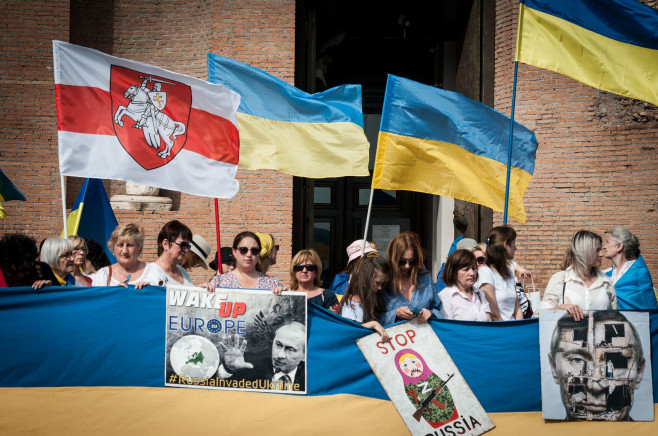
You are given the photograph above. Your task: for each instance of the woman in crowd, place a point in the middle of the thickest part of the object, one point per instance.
(198, 254)
(581, 285)
(268, 252)
(58, 254)
(362, 301)
(80, 252)
(126, 243)
(480, 253)
(96, 257)
(629, 272)
(246, 250)
(305, 271)
(173, 244)
(461, 299)
(497, 279)
(354, 252)
(410, 292)
(18, 265)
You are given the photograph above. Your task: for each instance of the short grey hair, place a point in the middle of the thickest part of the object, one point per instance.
(53, 248)
(630, 241)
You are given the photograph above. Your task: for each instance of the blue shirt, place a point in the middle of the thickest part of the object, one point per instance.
(635, 288)
(339, 285)
(423, 297)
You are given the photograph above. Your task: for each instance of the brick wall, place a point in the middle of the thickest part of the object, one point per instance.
(596, 165)
(171, 34)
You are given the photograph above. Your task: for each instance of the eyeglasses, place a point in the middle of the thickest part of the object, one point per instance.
(244, 250)
(403, 262)
(309, 267)
(183, 245)
(480, 260)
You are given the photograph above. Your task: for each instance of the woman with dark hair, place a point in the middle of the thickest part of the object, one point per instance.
(497, 279)
(581, 285)
(410, 292)
(173, 244)
(362, 301)
(18, 265)
(126, 243)
(246, 249)
(354, 251)
(96, 256)
(305, 271)
(461, 299)
(629, 272)
(58, 254)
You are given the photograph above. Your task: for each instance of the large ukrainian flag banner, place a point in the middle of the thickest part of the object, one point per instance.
(283, 128)
(91, 361)
(8, 192)
(440, 142)
(610, 45)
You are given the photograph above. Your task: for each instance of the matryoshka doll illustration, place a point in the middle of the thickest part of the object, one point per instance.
(421, 386)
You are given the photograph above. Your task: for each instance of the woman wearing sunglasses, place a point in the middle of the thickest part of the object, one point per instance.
(410, 292)
(80, 252)
(173, 244)
(246, 250)
(305, 272)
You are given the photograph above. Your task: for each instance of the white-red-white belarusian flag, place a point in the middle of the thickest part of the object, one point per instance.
(126, 120)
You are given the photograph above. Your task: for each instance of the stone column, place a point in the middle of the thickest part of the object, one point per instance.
(140, 197)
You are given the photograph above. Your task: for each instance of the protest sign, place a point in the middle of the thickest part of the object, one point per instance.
(237, 339)
(423, 382)
(598, 368)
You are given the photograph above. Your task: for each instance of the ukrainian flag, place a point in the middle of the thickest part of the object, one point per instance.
(283, 128)
(610, 45)
(440, 142)
(8, 192)
(92, 216)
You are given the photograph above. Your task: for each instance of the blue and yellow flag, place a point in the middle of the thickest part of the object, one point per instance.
(610, 45)
(92, 216)
(284, 128)
(440, 142)
(8, 192)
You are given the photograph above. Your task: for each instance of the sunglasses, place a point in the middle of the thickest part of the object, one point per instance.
(480, 260)
(309, 267)
(403, 262)
(244, 250)
(183, 245)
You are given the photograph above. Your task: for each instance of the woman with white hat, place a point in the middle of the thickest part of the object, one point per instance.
(198, 253)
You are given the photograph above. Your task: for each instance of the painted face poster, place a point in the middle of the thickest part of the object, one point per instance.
(238, 339)
(423, 382)
(598, 368)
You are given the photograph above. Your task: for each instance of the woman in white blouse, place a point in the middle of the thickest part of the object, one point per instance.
(581, 285)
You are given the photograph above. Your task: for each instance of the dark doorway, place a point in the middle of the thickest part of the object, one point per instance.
(340, 42)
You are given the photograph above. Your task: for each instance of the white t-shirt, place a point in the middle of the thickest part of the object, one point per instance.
(152, 274)
(352, 310)
(169, 279)
(505, 290)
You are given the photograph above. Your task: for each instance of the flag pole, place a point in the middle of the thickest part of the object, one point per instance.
(219, 250)
(63, 186)
(509, 146)
(365, 233)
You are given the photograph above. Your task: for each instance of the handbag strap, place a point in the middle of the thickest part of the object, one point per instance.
(109, 274)
(564, 286)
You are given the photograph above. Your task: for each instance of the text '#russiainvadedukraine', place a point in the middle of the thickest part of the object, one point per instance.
(232, 384)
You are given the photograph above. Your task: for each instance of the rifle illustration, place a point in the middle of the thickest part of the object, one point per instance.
(426, 402)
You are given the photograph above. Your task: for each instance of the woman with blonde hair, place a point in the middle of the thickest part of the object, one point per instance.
(305, 271)
(126, 243)
(581, 285)
(80, 253)
(410, 292)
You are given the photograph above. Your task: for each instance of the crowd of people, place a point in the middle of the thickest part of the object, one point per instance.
(478, 281)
